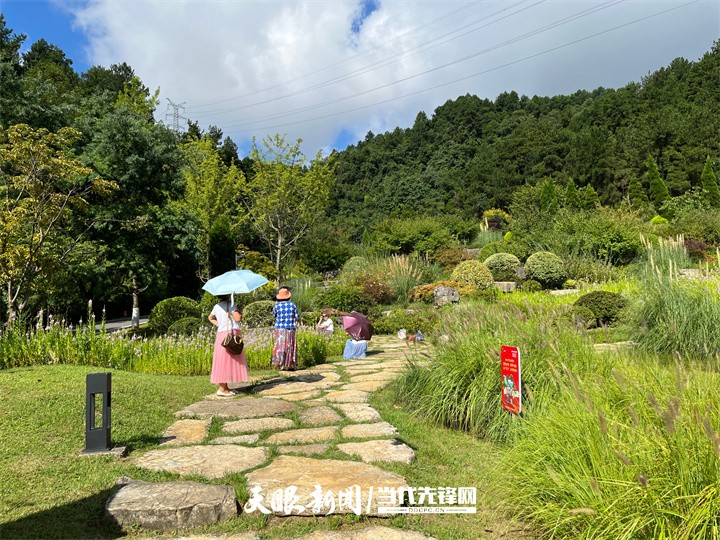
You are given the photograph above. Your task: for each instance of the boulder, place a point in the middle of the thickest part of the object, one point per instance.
(445, 295)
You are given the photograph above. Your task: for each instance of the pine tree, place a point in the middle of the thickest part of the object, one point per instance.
(589, 198)
(658, 189)
(709, 183)
(636, 193)
(548, 197)
(572, 198)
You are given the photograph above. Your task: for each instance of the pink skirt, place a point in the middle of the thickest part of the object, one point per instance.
(227, 367)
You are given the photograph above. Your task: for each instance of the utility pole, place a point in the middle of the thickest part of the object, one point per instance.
(175, 114)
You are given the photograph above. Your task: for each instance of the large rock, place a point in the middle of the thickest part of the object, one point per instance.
(317, 416)
(384, 450)
(209, 461)
(506, 286)
(445, 295)
(365, 431)
(331, 475)
(237, 408)
(171, 506)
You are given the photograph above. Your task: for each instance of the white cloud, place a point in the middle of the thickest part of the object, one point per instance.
(246, 66)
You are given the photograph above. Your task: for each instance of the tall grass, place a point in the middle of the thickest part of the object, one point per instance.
(634, 456)
(674, 314)
(461, 387)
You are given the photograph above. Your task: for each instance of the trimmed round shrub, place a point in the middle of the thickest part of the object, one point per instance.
(659, 220)
(502, 266)
(345, 298)
(170, 310)
(258, 314)
(185, 327)
(605, 305)
(473, 273)
(530, 286)
(309, 318)
(489, 249)
(582, 317)
(546, 268)
(411, 319)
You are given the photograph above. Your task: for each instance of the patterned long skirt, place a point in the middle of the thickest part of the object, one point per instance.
(284, 353)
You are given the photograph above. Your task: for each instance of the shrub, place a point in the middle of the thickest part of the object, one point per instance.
(375, 287)
(258, 314)
(491, 294)
(570, 284)
(185, 327)
(490, 249)
(588, 268)
(604, 305)
(546, 268)
(659, 220)
(473, 273)
(497, 220)
(170, 310)
(426, 293)
(530, 286)
(583, 317)
(410, 319)
(345, 298)
(502, 266)
(450, 256)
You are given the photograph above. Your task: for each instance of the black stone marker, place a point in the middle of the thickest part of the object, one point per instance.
(97, 438)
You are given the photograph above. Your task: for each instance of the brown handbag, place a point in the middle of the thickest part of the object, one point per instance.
(231, 342)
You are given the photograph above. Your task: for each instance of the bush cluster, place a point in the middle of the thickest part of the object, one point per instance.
(170, 310)
(411, 319)
(346, 298)
(473, 273)
(604, 305)
(503, 266)
(426, 293)
(258, 314)
(546, 268)
(186, 326)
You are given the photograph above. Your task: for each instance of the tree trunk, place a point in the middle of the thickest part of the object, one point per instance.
(135, 304)
(278, 259)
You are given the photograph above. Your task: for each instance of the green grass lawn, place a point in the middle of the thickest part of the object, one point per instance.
(48, 491)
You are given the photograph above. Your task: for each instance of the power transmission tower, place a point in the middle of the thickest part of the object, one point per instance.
(175, 114)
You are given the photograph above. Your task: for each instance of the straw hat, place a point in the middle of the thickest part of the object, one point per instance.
(283, 294)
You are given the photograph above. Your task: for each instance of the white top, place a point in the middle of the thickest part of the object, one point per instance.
(327, 324)
(221, 314)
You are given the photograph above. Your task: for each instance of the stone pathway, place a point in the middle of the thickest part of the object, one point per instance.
(288, 436)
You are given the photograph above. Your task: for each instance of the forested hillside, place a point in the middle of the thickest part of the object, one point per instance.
(472, 153)
(103, 202)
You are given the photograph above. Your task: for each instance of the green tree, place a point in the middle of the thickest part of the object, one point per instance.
(10, 73)
(548, 197)
(589, 198)
(572, 198)
(636, 193)
(41, 185)
(658, 190)
(709, 183)
(286, 195)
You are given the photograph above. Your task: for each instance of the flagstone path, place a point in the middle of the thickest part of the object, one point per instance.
(296, 432)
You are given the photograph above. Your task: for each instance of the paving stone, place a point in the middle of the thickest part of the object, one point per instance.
(257, 424)
(359, 362)
(330, 474)
(248, 407)
(212, 461)
(306, 435)
(379, 376)
(352, 371)
(186, 432)
(322, 367)
(347, 396)
(376, 532)
(299, 396)
(315, 416)
(382, 450)
(365, 386)
(237, 439)
(365, 431)
(294, 388)
(171, 506)
(223, 536)
(359, 412)
(307, 449)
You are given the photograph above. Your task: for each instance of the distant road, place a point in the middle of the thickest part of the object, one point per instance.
(119, 324)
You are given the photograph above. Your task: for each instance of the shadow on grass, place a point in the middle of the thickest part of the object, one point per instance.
(84, 518)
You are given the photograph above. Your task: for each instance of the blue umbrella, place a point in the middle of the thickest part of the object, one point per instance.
(234, 281)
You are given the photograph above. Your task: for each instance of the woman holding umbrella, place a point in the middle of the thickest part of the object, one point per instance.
(226, 366)
(286, 319)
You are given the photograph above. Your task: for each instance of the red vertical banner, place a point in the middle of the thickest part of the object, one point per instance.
(510, 379)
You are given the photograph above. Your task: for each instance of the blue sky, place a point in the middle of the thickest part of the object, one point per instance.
(329, 71)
